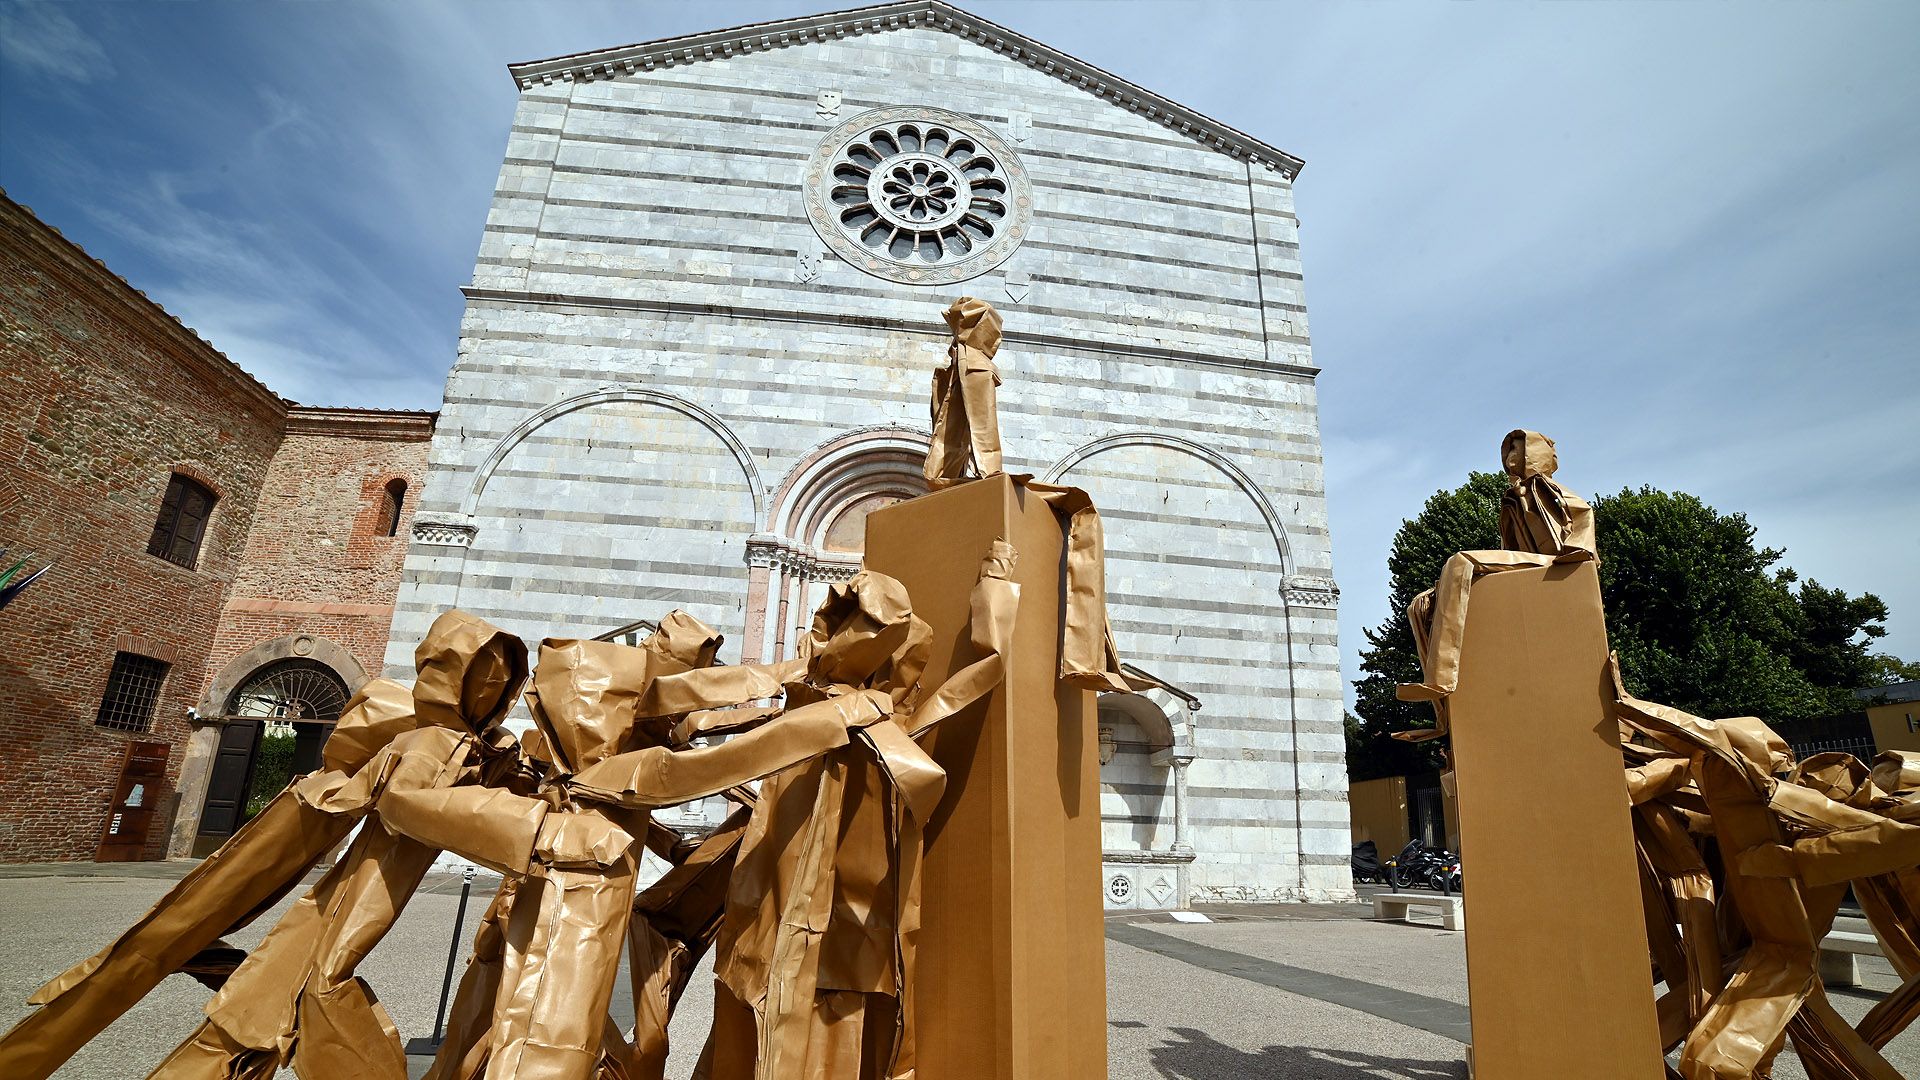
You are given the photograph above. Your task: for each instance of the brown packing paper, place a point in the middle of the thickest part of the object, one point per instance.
(966, 417)
(814, 894)
(1744, 854)
(248, 874)
(1555, 882)
(1008, 932)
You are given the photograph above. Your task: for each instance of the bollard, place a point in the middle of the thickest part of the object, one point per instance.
(428, 1046)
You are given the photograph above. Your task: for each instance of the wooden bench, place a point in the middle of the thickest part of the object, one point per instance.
(1840, 953)
(1396, 907)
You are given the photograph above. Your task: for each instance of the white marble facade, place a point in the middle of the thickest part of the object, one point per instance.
(672, 390)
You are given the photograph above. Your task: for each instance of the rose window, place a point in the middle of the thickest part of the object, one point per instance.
(918, 195)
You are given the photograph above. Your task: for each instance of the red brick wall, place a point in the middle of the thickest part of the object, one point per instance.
(101, 395)
(316, 561)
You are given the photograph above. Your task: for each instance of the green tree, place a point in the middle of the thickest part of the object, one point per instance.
(1701, 618)
(1888, 668)
(1464, 519)
(1705, 621)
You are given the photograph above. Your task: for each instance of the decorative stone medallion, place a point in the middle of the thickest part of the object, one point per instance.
(1119, 890)
(918, 195)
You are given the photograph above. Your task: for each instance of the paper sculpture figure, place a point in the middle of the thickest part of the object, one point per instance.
(966, 415)
(810, 894)
(1731, 861)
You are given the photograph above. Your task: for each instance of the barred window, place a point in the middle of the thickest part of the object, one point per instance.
(133, 688)
(182, 523)
(393, 500)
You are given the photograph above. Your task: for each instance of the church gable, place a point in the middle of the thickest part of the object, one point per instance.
(913, 15)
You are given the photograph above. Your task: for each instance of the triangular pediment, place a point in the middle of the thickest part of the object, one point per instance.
(909, 14)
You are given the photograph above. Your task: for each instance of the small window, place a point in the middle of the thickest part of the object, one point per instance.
(133, 688)
(392, 501)
(183, 522)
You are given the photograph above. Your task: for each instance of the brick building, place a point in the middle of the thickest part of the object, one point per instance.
(201, 530)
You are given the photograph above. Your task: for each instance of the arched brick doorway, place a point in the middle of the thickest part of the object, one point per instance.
(262, 722)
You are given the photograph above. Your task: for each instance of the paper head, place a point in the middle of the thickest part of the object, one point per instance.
(586, 692)
(470, 672)
(865, 628)
(975, 324)
(1527, 454)
(380, 711)
(683, 643)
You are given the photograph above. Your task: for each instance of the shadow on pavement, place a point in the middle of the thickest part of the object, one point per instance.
(1201, 1057)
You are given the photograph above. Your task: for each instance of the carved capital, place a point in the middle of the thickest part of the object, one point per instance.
(1311, 591)
(765, 550)
(443, 533)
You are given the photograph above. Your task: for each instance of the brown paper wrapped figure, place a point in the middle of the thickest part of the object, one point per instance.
(1744, 854)
(966, 414)
(809, 892)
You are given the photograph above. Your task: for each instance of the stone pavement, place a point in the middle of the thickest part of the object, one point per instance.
(1282, 991)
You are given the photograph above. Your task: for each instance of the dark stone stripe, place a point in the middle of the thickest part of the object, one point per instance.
(1444, 1018)
(729, 151)
(733, 120)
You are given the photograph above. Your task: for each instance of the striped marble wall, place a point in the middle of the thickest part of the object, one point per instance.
(645, 364)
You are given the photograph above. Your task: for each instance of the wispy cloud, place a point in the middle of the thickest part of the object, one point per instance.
(1682, 239)
(41, 39)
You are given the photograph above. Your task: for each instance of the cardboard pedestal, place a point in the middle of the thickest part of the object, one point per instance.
(1557, 962)
(1012, 967)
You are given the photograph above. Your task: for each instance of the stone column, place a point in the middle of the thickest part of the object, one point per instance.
(1182, 839)
(190, 796)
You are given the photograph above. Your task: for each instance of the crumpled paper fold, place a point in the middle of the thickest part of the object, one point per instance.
(1745, 853)
(808, 894)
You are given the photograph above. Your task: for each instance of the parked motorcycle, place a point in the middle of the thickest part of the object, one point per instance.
(1366, 863)
(1418, 864)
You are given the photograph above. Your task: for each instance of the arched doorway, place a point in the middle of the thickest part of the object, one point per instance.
(273, 722)
(294, 704)
(817, 528)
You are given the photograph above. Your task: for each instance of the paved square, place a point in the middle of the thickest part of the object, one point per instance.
(1288, 992)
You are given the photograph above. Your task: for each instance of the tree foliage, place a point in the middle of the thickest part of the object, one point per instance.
(1464, 519)
(1701, 618)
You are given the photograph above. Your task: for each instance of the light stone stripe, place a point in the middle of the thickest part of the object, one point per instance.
(655, 275)
(1080, 414)
(530, 362)
(1035, 378)
(672, 313)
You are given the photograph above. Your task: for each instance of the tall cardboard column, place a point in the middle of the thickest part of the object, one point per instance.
(1011, 964)
(1557, 967)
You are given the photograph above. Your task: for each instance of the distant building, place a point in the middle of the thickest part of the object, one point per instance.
(697, 348)
(1893, 715)
(222, 558)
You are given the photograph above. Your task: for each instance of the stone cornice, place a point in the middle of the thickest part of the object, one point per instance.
(1146, 858)
(399, 425)
(891, 324)
(881, 18)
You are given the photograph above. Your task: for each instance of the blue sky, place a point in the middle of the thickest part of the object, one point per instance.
(1683, 239)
